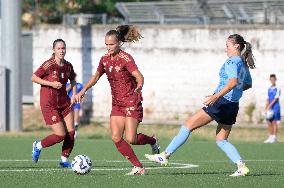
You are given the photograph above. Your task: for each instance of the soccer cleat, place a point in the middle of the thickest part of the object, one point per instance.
(158, 158)
(64, 164)
(270, 140)
(35, 152)
(136, 171)
(267, 140)
(76, 131)
(76, 134)
(242, 171)
(156, 146)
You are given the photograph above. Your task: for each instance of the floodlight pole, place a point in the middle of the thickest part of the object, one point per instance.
(10, 58)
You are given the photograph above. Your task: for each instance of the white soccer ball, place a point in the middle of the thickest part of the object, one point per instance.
(269, 114)
(81, 164)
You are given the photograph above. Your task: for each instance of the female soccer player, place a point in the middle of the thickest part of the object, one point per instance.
(222, 106)
(272, 103)
(126, 83)
(55, 104)
(77, 106)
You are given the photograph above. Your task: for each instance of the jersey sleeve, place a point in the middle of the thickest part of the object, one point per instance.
(248, 79)
(130, 65)
(42, 71)
(101, 68)
(278, 93)
(231, 69)
(72, 73)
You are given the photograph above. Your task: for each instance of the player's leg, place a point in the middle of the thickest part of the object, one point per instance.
(76, 117)
(199, 119)
(117, 125)
(68, 143)
(274, 131)
(56, 137)
(270, 131)
(222, 134)
(131, 125)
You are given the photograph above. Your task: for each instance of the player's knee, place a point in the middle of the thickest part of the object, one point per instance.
(189, 124)
(130, 140)
(115, 138)
(221, 143)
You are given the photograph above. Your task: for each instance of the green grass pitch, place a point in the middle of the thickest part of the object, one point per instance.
(266, 163)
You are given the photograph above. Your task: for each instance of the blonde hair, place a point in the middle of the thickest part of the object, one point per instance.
(126, 33)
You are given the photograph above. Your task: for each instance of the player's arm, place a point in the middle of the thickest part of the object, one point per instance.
(233, 82)
(73, 86)
(276, 98)
(266, 104)
(38, 80)
(272, 103)
(139, 80)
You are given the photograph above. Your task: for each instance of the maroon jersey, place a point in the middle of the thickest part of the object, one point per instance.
(51, 71)
(122, 83)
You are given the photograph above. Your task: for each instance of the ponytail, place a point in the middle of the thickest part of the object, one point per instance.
(248, 56)
(126, 33)
(245, 49)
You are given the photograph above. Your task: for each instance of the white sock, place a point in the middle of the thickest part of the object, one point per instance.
(273, 136)
(240, 162)
(38, 145)
(64, 159)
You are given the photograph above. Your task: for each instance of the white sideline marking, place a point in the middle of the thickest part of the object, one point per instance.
(178, 166)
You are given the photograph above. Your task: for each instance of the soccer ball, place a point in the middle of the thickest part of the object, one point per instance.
(269, 114)
(81, 164)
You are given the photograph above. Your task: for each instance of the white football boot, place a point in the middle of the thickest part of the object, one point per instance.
(136, 171)
(158, 158)
(242, 171)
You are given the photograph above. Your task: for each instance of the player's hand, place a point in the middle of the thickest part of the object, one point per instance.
(78, 97)
(210, 99)
(56, 85)
(73, 101)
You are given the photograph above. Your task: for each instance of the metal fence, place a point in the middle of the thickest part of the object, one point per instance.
(204, 12)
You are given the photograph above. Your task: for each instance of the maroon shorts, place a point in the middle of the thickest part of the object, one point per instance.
(135, 112)
(54, 115)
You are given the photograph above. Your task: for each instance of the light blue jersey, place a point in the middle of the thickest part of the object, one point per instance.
(234, 67)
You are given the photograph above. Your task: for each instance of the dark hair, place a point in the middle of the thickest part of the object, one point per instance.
(272, 76)
(245, 49)
(54, 44)
(56, 41)
(125, 33)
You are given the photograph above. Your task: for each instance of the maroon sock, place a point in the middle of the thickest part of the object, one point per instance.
(143, 139)
(125, 149)
(68, 144)
(51, 140)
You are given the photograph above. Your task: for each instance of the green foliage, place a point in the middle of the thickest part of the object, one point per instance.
(51, 11)
(249, 109)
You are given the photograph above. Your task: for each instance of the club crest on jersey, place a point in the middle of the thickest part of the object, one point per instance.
(117, 68)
